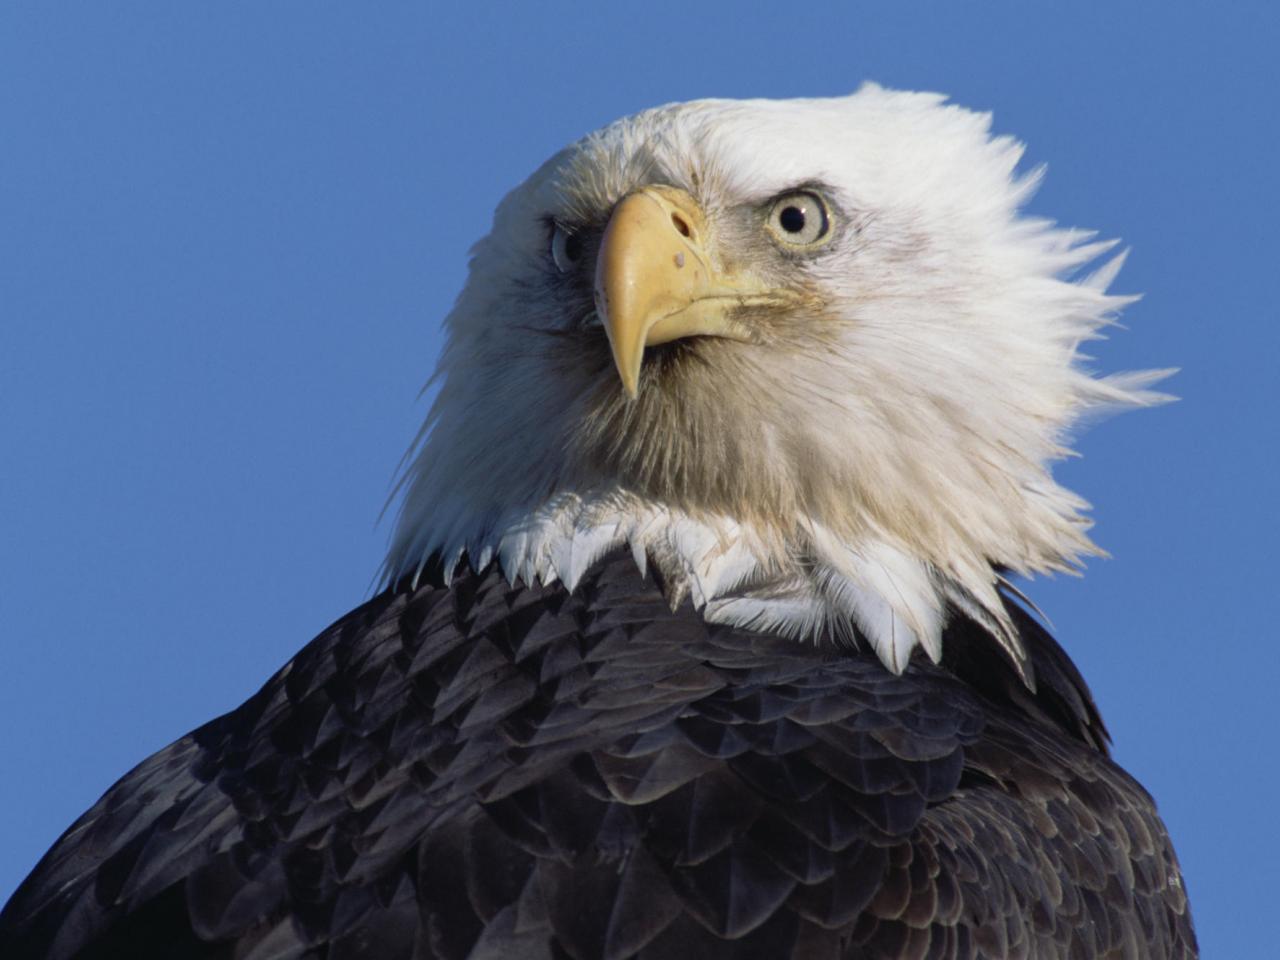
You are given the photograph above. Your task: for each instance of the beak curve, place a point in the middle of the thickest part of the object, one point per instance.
(655, 282)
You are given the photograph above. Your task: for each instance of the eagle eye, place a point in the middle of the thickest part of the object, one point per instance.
(799, 219)
(566, 248)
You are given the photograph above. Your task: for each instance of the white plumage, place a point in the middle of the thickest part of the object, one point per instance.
(874, 456)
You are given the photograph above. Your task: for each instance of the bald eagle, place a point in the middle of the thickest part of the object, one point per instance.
(697, 638)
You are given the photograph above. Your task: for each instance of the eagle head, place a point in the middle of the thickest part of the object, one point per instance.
(804, 357)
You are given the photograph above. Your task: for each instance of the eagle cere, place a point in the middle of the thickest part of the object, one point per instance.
(696, 639)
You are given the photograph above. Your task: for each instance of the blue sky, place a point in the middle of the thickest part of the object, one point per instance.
(228, 233)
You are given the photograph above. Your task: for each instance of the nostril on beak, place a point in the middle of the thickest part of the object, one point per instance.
(681, 225)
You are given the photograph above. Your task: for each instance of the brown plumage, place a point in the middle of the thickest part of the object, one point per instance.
(483, 771)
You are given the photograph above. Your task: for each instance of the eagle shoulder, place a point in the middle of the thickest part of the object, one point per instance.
(487, 770)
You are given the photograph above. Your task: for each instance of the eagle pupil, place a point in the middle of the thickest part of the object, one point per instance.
(573, 247)
(791, 219)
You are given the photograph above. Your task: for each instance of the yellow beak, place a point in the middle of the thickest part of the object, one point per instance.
(655, 282)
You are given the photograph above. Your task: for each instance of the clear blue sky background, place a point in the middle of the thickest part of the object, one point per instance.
(228, 233)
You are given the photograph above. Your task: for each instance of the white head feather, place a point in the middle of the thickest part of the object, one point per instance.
(867, 467)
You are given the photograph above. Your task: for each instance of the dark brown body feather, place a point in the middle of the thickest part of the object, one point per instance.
(489, 772)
